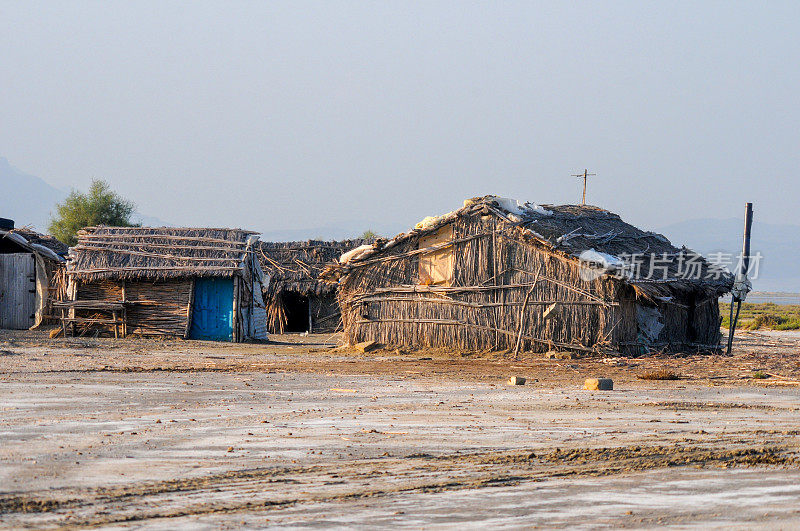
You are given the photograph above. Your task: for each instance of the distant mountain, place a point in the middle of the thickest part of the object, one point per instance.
(29, 200)
(779, 246)
(26, 199)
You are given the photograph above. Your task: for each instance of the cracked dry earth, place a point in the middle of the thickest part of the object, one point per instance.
(148, 434)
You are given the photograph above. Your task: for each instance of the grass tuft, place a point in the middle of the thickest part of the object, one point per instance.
(661, 374)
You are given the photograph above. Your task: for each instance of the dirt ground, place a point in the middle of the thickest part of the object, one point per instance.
(140, 433)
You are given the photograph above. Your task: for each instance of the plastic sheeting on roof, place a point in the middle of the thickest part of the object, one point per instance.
(35, 247)
(605, 260)
(512, 206)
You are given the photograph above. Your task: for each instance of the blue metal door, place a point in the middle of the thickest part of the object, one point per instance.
(212, 316)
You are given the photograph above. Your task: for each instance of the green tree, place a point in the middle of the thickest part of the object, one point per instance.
(100, 206)
(369, 234)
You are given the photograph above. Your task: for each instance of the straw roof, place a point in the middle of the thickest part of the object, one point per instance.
(296, 266)
(158, 252)
(569, 231)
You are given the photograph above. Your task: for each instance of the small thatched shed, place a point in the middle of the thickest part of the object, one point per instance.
(497, 274)
(196, 283)
(31, 276)
(297, 300)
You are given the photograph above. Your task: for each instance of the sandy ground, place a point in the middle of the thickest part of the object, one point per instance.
(171, 434)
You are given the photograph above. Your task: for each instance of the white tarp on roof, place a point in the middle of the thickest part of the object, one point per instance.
(605, 260)
(513, 206)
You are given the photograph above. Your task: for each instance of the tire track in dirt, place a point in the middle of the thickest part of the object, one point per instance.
(273, 488)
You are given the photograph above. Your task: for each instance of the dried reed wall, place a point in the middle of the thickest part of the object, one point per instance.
(689, 325)
(501, 287)
(325, 313)
(161, 309)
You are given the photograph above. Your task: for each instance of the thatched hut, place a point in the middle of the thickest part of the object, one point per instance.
(497, 274)
(297, 300)
(195, 283)
(31, 269)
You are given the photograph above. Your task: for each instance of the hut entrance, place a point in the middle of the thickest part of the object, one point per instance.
(212, 312)
(17, 290)
(297, 311)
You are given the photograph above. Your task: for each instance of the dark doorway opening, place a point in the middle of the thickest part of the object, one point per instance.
(296, 307)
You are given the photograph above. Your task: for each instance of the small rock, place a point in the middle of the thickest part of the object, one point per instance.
(230, 448)
(516, 380)
(366, 346)
(598, 384)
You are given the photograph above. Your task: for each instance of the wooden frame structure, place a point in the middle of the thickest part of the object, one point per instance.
(145, 279)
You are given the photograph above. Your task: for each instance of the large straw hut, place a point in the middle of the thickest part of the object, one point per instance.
(195, 283)
(296, 299)
(497, 274)
(31, 274)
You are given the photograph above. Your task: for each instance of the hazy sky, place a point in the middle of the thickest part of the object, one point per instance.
(272, 115)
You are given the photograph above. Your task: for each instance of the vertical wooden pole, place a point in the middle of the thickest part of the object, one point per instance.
(235, 337)
(124, 313)
(189, 310)
(585, 175)
(496, 312)
(742, 275)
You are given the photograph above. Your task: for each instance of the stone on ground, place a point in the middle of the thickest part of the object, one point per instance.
(516, 380)
(366, 346)
(598, 384)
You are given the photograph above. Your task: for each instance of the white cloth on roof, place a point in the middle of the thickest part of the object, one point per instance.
(512, 206)
(606, 260)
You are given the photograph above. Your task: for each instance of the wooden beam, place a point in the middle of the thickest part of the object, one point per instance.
(89, 235)
(189, 311)
(81, 247)
(189, 269)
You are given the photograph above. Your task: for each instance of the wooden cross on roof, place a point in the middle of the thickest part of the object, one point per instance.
(585, 174)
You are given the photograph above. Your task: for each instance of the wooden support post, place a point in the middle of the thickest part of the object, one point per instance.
(497, 311)
(124, 313)
(235, 335)
(189, 311)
